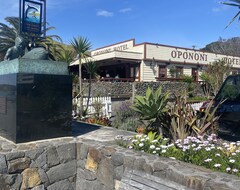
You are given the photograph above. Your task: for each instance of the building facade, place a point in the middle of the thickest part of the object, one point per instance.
(153, 62)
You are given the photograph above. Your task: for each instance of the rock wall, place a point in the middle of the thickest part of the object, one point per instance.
(77, 164)
(39, 166)
(126, 89)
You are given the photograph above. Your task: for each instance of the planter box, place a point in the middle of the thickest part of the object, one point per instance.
(35, 100)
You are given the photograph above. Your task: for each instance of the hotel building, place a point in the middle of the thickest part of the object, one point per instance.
(153, 62)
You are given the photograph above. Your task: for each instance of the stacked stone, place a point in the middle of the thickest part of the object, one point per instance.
(125, 89)
(101, 167)
(81, 164)
(47, 165)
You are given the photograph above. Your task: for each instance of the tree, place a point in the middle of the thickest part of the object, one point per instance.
(215, 74)
(81, 45)
(8, 33)
(91, 68)
(66, 55)
(235, 4)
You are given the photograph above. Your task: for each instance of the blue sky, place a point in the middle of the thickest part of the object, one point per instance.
(184, 23)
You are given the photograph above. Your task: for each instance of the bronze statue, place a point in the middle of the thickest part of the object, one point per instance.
(16, 51)
(19, 50)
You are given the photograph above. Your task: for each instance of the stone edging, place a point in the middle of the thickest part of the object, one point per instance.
(76, 163)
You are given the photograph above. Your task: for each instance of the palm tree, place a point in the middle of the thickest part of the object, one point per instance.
(66, 55)
(235, 4)
(91, 68)
(81, 45)
(8, 33)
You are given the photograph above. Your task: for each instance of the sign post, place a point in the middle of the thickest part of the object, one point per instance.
(32, 17)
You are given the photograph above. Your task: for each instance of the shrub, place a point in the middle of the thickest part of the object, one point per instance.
(126, 118)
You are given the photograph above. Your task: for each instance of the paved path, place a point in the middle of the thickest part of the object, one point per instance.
(98, 133)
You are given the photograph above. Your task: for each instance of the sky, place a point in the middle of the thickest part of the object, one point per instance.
(184, 23)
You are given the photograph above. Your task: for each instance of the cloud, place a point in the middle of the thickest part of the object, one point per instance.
(104, 13)
(125, 10)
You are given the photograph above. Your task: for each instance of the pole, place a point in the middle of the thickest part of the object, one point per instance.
(45, 19)
(20, 17)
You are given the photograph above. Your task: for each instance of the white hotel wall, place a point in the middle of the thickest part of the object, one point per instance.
(161, 52)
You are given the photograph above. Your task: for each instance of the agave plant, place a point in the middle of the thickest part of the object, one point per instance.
(152, 107)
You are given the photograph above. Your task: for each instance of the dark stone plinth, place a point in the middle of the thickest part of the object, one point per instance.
(35, 106)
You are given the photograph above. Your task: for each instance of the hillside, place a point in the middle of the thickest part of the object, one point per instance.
(225, 46)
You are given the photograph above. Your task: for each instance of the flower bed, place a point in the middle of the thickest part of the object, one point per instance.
(207, 151)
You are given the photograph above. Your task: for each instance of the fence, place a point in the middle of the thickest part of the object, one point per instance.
(104, 104)
(196, 106)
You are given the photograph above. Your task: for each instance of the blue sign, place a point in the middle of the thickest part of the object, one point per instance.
(32, 17)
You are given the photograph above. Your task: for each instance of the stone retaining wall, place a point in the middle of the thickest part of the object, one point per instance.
(77, 164)
(126, 89)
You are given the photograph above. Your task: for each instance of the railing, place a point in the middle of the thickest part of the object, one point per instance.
(105, 104)
(176, 80)
(196, 106)
(111, 80)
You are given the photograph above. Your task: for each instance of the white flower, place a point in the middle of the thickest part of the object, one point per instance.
(154, 152)
(155, 140)
(141, 145)
(178, 141)
(163, 146)
(142, 140)
(217, 165)
(193, 145)
(228, 169)
(130, 147)
(233, 154)
(134, 140)
(219, 148)
(237, 151)
(171, 145)
(152, 147)
(231, 161)
(164, 151)
(207, 149)
(208, 160)
(158, 148)
(235, 170)
(172, 158)
(209, 138)
(165, 139)
(217, 155)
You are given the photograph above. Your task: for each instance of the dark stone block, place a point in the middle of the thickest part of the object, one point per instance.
(35, 106)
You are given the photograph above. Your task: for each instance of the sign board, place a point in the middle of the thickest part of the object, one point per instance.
(32, 17)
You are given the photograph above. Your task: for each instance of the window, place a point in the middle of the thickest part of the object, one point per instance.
(195, 74)
(179, 72)
(162, 71)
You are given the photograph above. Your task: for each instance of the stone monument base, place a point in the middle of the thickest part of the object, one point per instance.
(36, 105)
